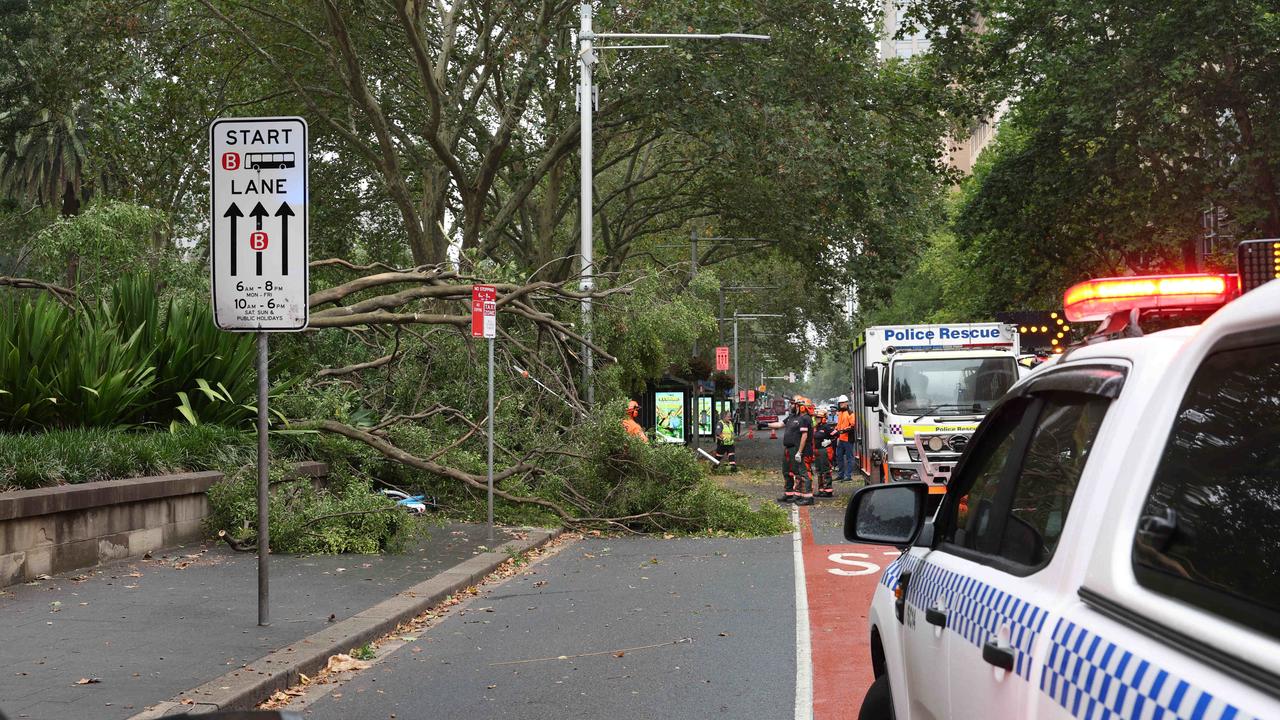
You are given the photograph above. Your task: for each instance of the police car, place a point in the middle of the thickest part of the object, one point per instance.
(1109, 545)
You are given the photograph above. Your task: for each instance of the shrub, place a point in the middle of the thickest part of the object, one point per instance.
(347, 516)
(91, 454)
(119, 360)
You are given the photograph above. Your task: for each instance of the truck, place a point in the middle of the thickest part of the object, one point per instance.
(919, 392)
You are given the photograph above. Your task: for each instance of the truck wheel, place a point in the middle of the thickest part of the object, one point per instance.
(878, 703)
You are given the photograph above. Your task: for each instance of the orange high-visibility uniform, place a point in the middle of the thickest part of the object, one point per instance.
(634, 428)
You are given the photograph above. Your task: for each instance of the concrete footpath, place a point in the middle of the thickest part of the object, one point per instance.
(121, 640)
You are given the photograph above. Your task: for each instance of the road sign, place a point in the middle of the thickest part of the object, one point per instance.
(722, 358)
(742, 395)
(484, 311)
(791, 377)
(258, 223)
(751, 396)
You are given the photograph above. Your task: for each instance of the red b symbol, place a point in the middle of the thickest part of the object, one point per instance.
(230, 161)
(258, 240)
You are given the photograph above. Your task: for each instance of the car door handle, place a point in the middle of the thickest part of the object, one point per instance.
(999, 655)
(936, 616)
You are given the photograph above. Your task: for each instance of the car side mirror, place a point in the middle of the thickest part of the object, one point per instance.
(890, 514)
(871, 377)
(871, 398)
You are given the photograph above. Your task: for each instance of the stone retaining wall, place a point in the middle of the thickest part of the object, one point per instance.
(56, 529)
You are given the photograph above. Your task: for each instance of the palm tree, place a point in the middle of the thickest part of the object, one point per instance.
(45, 162)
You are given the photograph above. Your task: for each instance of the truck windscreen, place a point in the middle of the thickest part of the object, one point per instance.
(953, 386)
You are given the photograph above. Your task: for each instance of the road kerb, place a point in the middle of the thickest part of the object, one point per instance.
(245, 687)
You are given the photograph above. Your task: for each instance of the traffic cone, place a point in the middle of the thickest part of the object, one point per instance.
(751, 434)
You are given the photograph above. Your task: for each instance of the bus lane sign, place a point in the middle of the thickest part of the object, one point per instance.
(258, 215)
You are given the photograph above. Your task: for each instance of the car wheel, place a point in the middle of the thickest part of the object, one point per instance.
(878, 703)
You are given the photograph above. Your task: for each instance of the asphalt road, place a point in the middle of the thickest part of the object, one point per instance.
(642, 628)
(618, 628)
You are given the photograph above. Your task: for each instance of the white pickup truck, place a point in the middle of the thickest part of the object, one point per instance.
(1109, 544)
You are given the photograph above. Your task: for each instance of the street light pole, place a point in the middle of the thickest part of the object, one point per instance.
(586, 106)
(736, 317)
(735, 288)
(586, 203)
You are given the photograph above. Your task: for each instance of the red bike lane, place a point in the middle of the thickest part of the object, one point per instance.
(839, 581)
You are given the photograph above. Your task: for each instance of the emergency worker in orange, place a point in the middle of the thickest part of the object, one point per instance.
(629, 422)
(846, 423)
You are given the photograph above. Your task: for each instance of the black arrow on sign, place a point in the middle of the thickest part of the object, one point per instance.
(258, 212)
(233, 212)
(284, 213)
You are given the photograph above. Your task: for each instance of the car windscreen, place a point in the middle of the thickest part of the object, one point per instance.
(952, 386)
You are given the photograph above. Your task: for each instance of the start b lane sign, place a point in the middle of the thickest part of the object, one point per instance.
(258, 218)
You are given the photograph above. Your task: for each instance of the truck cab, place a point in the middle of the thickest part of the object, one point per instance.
(923, 398)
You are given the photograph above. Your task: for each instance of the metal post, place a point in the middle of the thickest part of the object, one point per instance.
(720, 320)
(586, 204)
(490, 516)
(264, 542)
(736, 404)
(693, 276)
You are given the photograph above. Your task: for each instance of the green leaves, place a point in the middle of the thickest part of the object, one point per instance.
(119, 361)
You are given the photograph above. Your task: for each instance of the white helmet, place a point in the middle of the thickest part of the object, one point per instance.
(843, 399)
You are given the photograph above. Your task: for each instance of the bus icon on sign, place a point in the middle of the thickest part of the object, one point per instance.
(258, 240)
(257, 161)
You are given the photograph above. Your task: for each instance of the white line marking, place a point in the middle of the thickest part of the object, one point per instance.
(804, 657)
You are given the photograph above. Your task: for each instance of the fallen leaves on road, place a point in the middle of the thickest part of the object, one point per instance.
(55, 606)
(343, 662)
(284, 696)
(88, 681)
(187, 701)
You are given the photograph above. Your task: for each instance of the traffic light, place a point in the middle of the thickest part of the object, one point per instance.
(1258, 262)
(1039, 330)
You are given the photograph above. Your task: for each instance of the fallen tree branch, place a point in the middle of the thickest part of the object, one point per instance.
(62, 294)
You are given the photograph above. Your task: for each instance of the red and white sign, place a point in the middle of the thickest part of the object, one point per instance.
(751, 396)
(742, 395)
(722, 358)
(484, 311)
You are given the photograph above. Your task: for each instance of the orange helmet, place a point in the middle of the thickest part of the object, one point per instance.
(633, 408)
(802, 405)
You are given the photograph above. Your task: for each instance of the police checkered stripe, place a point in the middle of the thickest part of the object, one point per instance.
(976, 611)
(1094, 679)
(904, 563)
(895, 429)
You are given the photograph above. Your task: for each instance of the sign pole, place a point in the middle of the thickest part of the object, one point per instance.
(490, 441)
(264, 543)
(259, 209)
(484, 324)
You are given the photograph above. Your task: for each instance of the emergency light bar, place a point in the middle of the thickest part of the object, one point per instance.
(1100, 298)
